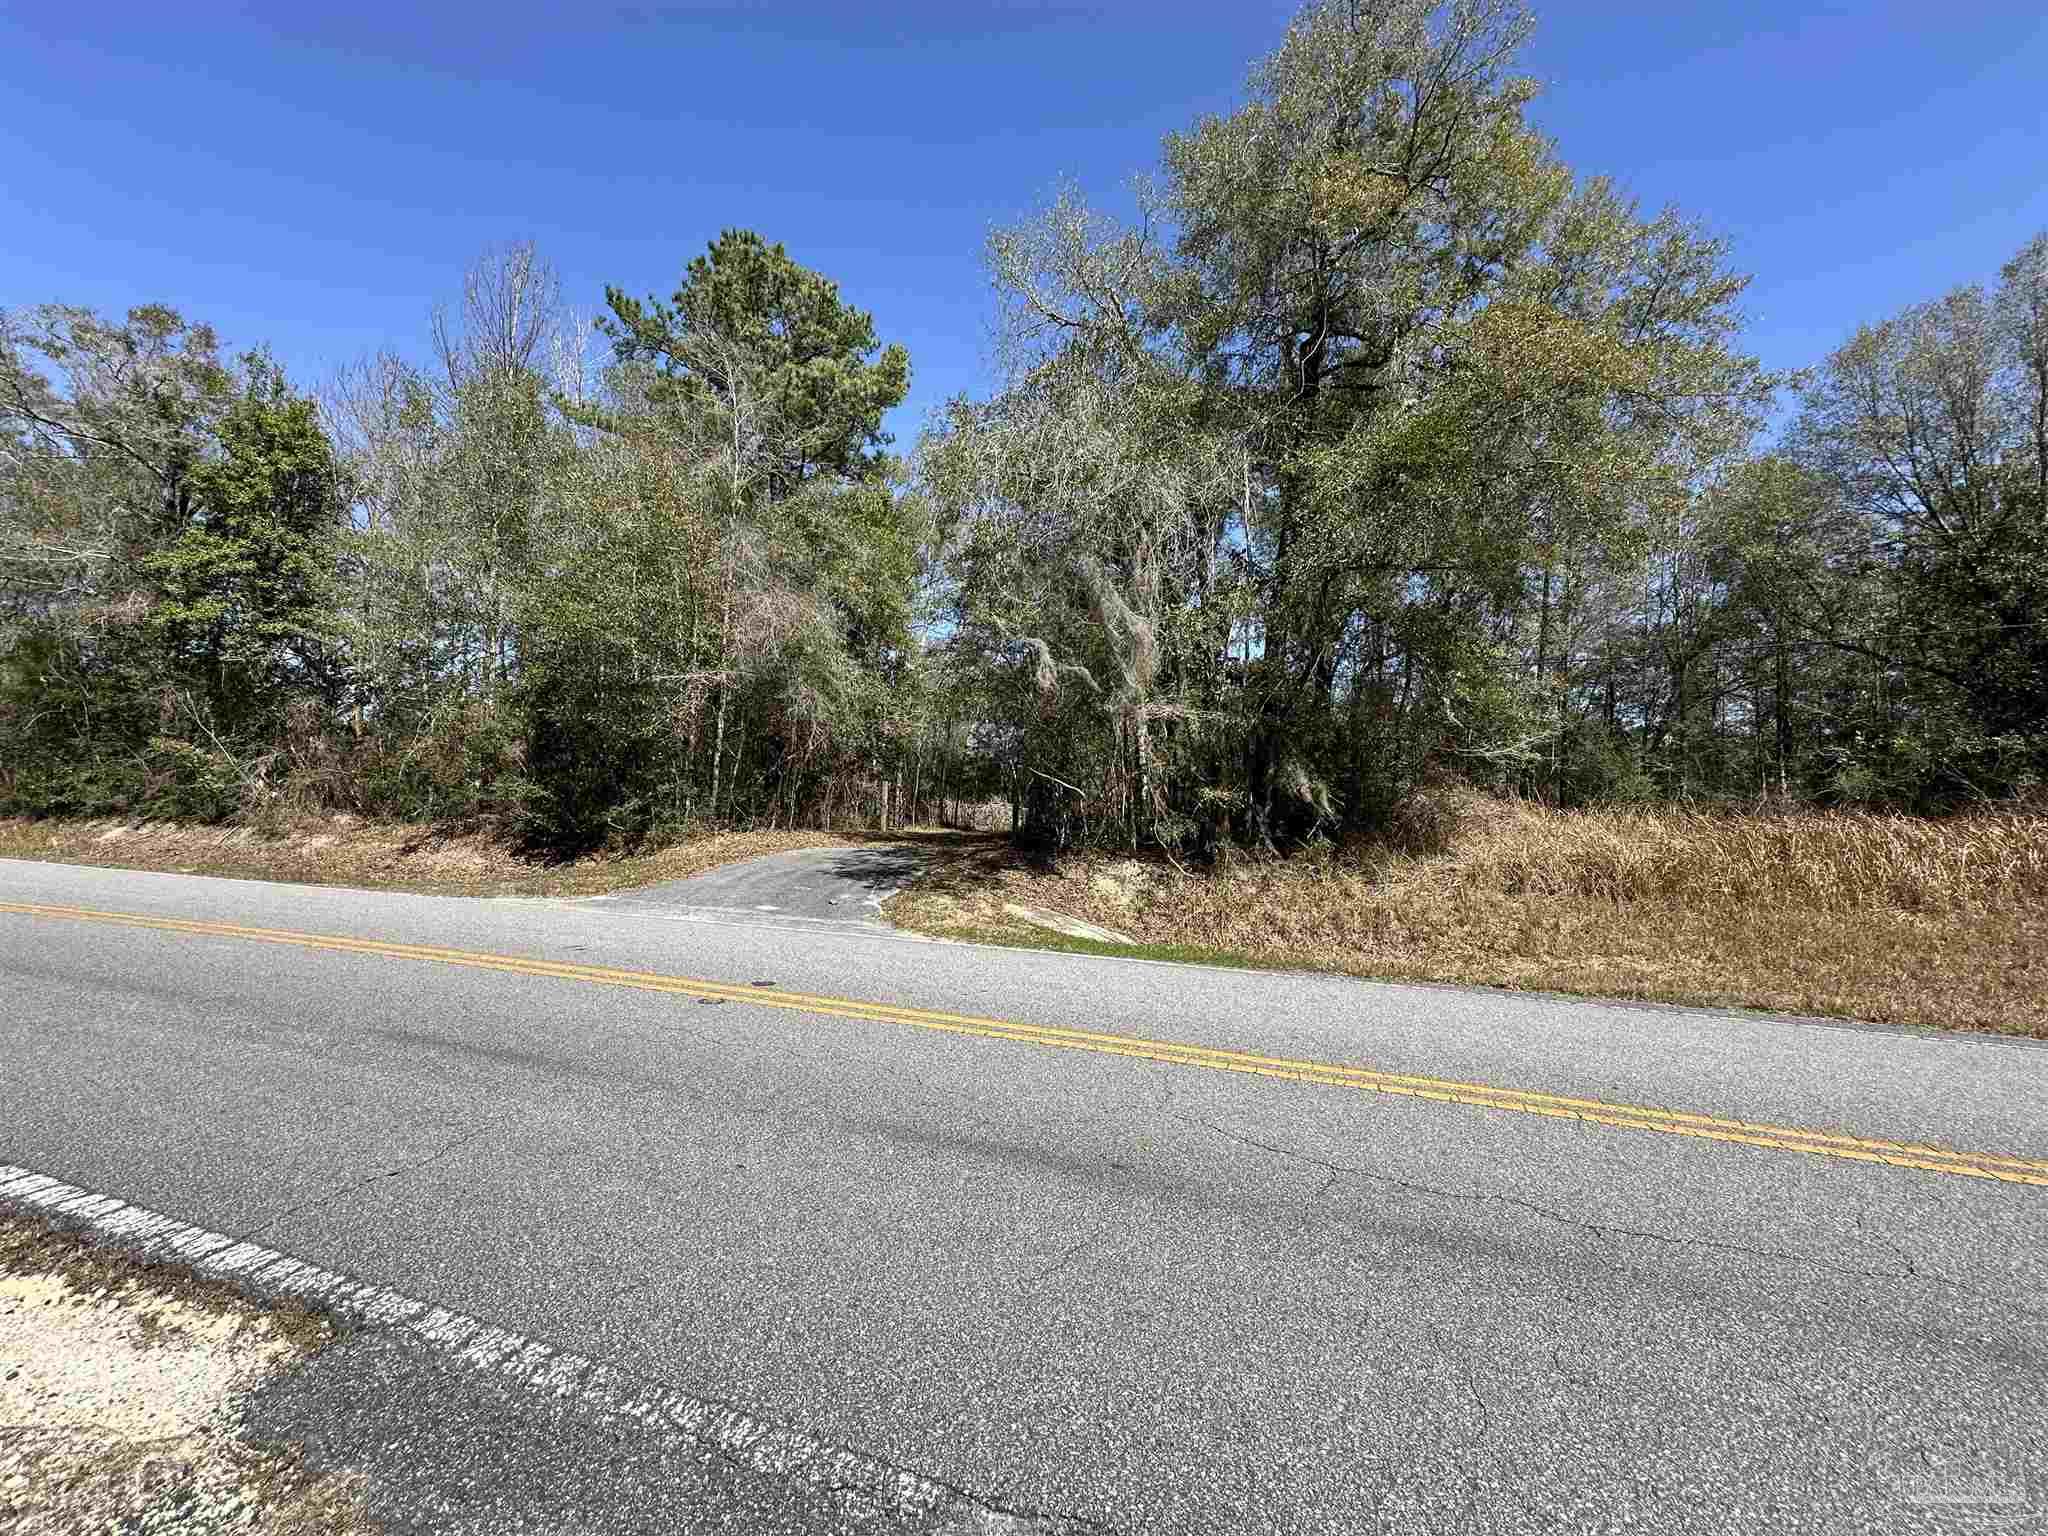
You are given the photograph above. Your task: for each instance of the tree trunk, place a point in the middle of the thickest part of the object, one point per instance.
(1782, 708)
(718, 753)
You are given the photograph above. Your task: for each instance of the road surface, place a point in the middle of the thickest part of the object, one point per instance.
(1092, 1244)
(840, 886)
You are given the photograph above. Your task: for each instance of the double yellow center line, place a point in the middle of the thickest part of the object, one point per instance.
(1634, 1117)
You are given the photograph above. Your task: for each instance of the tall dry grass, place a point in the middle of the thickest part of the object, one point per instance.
(1893, 919)
(1822, 862)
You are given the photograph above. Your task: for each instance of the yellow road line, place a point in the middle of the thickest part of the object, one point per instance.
(2008, 1169)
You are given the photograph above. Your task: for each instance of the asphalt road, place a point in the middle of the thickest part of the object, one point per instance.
(1143, 1286)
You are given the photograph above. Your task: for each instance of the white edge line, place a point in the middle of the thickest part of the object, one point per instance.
(759, 1444)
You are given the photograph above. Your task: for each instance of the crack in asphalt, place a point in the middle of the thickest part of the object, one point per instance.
(1886, 1243)
(918, 1089)
(330, 1196)
(1335, 1172)
(1469, 1444)
(1338, 1171)
(1063, 1261)
(1480, 1444)
(926, 1093)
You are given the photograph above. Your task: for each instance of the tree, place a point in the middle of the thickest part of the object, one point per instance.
(1926, 432)
(243, 602)
(729, 567)
(1453, 393)
(766, 349)
(166, 525)
(455, 472)
(104, 426)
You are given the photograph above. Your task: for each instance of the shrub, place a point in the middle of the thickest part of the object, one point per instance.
(183, 782)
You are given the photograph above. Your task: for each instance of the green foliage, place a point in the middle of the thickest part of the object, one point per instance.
(596, 757)
(183, 782)
(167, 528)
(1306, 490)
(1384, 451)
(715, 627)
(242, 604)
(747, 321)
(464, 764)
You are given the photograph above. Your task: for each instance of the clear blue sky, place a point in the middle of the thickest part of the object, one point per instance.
(316, 177)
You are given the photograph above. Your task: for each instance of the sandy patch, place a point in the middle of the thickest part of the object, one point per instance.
(118, 1403)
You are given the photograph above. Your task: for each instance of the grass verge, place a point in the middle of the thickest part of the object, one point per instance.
(1895, 920)
(343, 850)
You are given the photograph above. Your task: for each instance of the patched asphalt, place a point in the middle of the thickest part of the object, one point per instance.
(442, 1449)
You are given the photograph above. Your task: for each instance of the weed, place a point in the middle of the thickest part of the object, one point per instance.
(1894, 919)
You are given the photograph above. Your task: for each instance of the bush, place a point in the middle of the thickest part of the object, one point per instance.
(183, 782)
(467, 766)
(596, 758)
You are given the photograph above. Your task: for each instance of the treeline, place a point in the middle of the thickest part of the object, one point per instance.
(595, 608)
(1382, 448)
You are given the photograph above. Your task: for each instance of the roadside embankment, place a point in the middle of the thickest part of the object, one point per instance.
(1893, 919)
(347, 850)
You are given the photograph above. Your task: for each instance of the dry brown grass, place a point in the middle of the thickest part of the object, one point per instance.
(1885, 918)
(342, 850)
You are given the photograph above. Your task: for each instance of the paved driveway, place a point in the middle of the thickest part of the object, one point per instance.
(835, 885)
